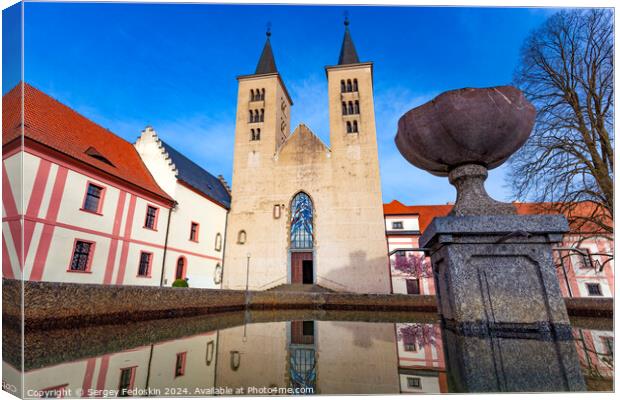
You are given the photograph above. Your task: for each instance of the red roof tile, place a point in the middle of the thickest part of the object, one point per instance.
(426, 213)
(51, 123)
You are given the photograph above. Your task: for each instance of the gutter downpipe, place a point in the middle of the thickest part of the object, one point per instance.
(163, 263)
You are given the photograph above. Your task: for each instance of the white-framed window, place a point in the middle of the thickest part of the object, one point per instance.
(594, 289)
(397, 224)
(413, 382)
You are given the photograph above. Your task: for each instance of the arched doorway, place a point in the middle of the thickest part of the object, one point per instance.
(302, 239)
(181, 268)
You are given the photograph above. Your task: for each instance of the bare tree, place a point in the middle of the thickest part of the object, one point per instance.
(566, 71)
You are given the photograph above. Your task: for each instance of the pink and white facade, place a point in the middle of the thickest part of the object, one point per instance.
(584, 260)
(79, 205)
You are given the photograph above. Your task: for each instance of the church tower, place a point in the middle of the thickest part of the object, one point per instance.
(303, 213)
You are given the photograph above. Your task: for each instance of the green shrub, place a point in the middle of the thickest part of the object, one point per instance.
(180, 283)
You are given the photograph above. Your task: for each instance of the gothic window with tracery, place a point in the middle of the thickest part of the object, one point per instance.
(301, 222)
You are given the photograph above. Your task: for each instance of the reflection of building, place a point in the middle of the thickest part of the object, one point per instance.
(301, 211)
(329, 357)
(584, 272)
(93, 212)
(596, 356)
(186, 363)
(421, 366)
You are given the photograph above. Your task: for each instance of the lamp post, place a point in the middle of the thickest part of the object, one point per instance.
(247, 273)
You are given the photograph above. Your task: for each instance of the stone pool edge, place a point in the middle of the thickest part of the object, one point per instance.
(57, 305)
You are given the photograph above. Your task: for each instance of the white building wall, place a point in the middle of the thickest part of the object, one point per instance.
(60, 230)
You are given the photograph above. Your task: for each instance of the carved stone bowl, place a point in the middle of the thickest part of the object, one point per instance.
(466, 126)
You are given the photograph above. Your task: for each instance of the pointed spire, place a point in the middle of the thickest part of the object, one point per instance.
(348, 55)
(266, 63)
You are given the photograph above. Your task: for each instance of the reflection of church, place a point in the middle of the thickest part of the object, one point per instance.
(303, 212)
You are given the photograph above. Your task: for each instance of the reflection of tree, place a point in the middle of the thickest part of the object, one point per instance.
(412, 264)
(418, 334)
(597, 370)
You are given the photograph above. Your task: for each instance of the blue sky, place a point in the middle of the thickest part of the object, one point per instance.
(173, 66)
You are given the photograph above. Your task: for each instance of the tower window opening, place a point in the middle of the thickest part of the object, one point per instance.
(254, 134)
(344, 108)
(241, 237)
(349, 127)
(262, 94)
(251, 94)
(349, 86)
(351, 111)
(354, 126)
(258, 134)
(262, 115)
(251, 116)
(356, 107)
(343, 87)
(355, 85)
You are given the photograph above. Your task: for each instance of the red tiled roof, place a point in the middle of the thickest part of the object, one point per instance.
(51, 123)
(426, 213)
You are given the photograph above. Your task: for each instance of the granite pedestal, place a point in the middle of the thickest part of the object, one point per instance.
(505, 322)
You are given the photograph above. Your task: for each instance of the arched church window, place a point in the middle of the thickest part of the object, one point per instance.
(218, 242)
(251, 116)
(355, 85)
(343, 87)
(252, 134)
(257, 134)
(262, 115)
(356, 107)
(354, 126)
(351, 107)
(262, 94)
(349, 86)
(344, 108)
(251, 94)
(301, 222)
(349, 127)
(241, 237)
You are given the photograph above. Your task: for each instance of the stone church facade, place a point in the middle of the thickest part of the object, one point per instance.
(303, 212)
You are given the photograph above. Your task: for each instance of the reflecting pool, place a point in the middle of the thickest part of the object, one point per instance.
(298, 352)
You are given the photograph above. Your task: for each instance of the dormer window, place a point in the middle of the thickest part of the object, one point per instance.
(91, 151)
(397, 224)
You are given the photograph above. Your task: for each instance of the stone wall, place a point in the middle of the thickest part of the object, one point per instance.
(56, 304)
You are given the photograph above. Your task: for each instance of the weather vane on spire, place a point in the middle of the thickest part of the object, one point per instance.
(346, 18)
(268, 33)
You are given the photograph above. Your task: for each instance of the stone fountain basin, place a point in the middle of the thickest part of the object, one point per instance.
(466, 126)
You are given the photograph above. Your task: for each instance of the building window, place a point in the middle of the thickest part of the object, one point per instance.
(262, 115)
(349, 127)
(609, 344)
(210, 352)
(356, 107)
(150, 222)
(344, 108)
(410, 347)
(277, 211)
(218, 242)
(181, 268)
(241, 237)
(594, 289)
(252, 95)
(179, 367)
(81, 260)
(413, 383)
(251, 116)
(126, 381)
(93, 200)
(355, 85)
(354, 126)
(144, 269)
(301, 222)
(193, 231)
(413, 286)
(217, 274)
(262, 94)
(349, 86)
(397, 224)
(343, 86)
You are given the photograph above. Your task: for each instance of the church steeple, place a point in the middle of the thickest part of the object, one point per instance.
(348, 55)
(266, 63)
